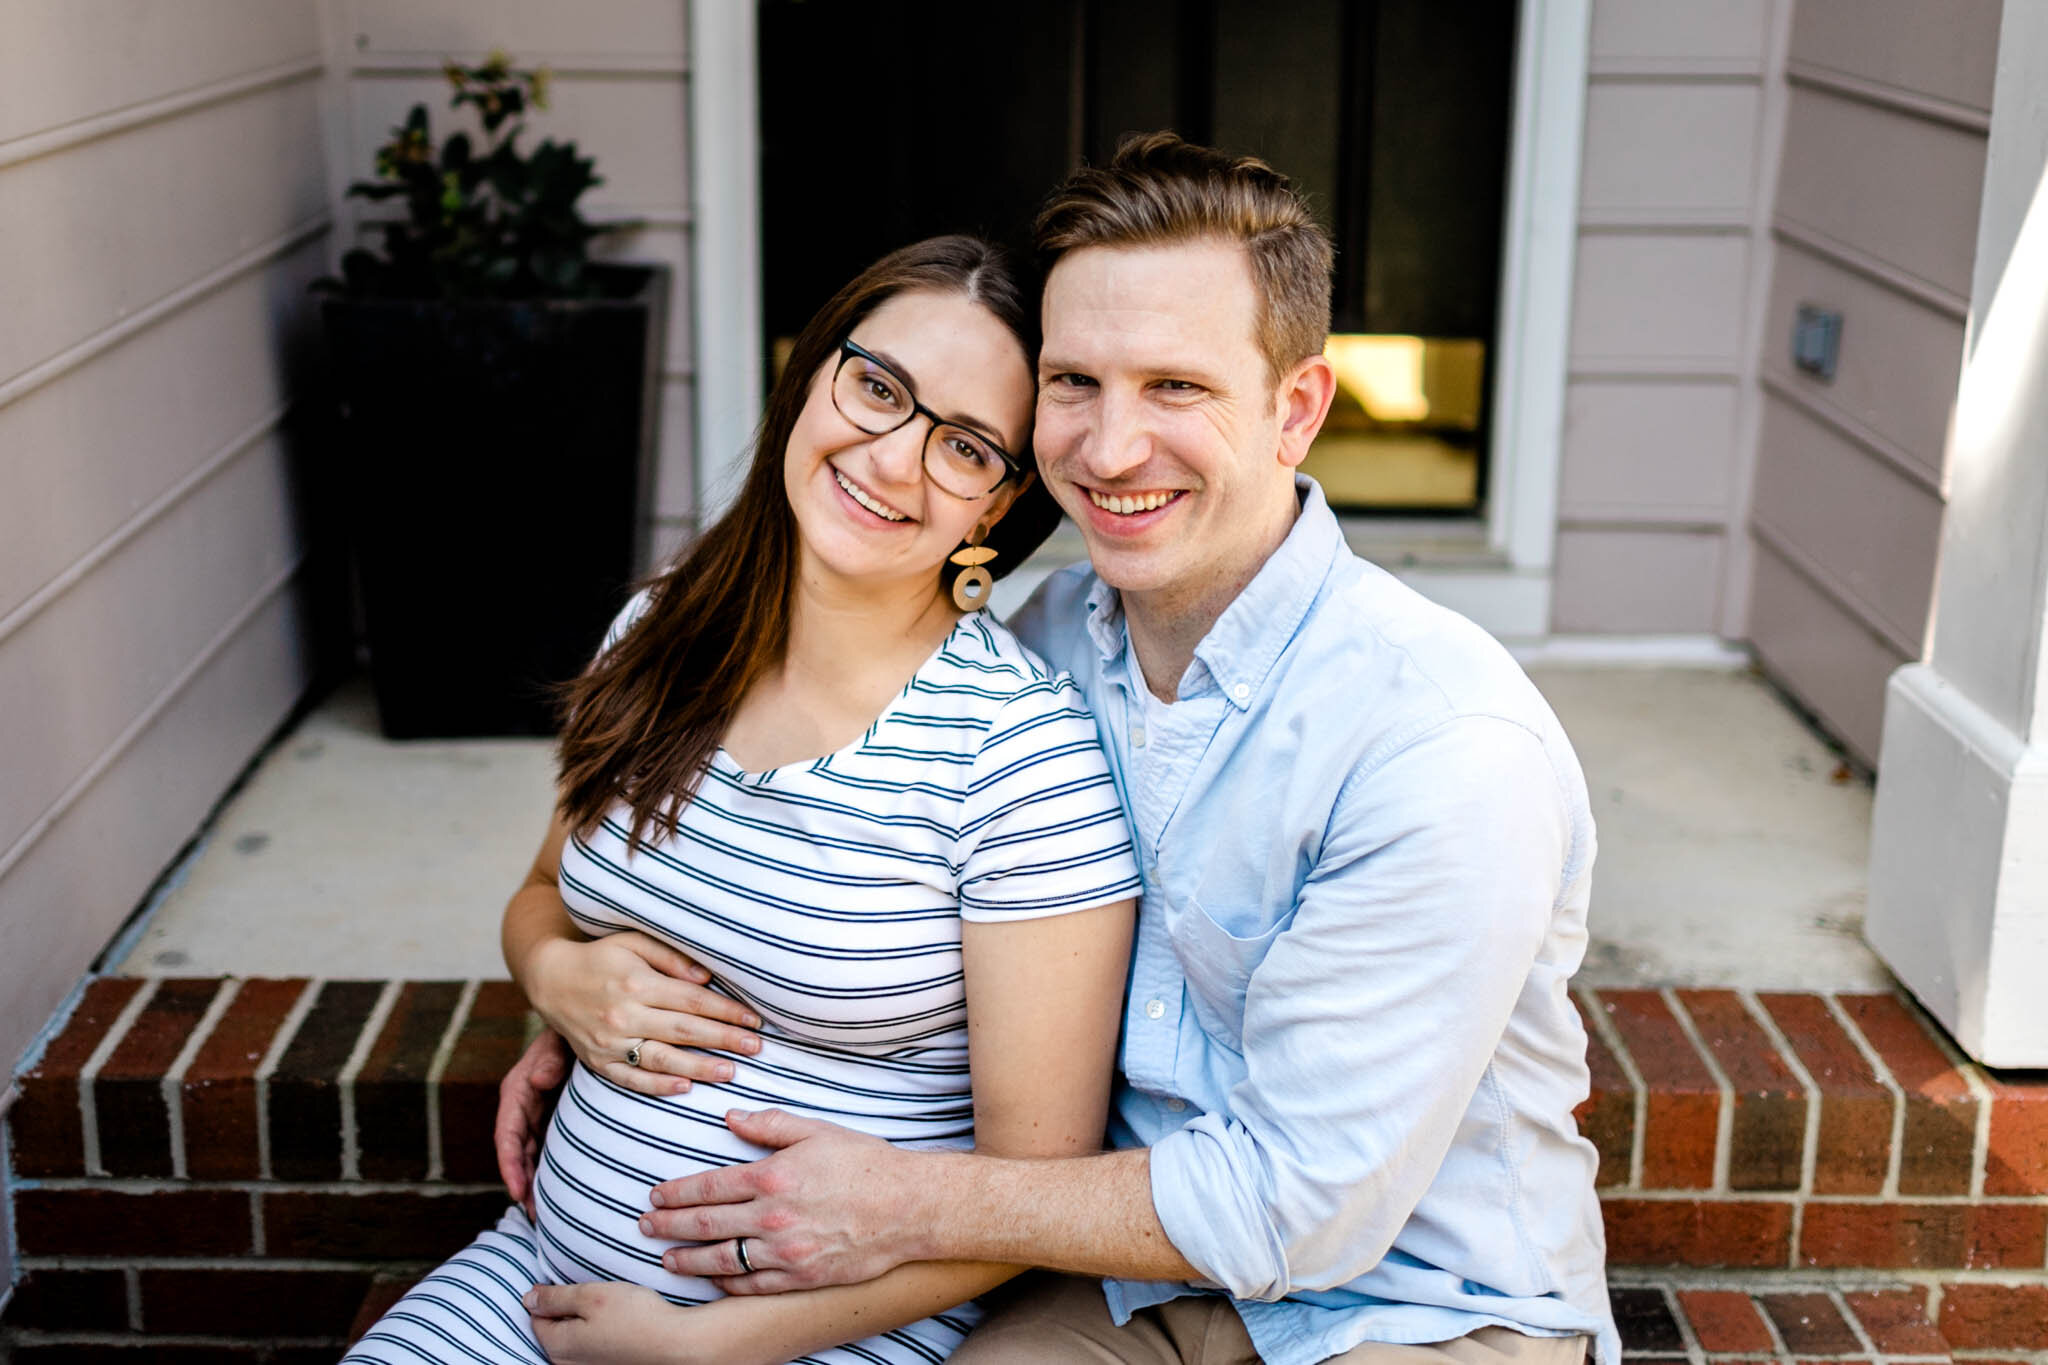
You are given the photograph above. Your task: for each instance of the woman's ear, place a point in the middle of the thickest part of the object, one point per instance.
(1005, 498)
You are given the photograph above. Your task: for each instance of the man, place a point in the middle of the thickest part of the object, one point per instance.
(1349, 1061)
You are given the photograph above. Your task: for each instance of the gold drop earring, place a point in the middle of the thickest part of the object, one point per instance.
(971, 587)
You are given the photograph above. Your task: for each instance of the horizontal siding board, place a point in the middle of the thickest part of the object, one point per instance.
(1821, 653)
(1674, 148)
(1893, 185)
(1872, 531)
(632, 125)
(72, 888)
(1648, 451)
(1899, 362)
(99, 655)
(108, 227)
(1948, 50)
(533, 31)
(1667, 30)
(80, 59)
(1654, 297)
(82, 453)
(1636, 581)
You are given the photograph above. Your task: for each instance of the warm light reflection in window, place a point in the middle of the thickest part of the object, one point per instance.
(1404, 429)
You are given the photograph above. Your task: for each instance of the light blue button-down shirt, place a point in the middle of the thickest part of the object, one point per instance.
(1366, 848)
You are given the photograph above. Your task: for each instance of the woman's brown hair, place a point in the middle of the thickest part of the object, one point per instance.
(642, 724)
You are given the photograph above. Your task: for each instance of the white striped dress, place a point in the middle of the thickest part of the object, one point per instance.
(828, 896)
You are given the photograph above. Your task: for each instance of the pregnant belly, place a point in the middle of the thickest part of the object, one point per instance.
(606, 1148)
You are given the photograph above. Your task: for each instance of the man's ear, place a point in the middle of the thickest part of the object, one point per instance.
(1303, 401)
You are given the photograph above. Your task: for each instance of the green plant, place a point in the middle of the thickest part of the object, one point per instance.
(481, 221)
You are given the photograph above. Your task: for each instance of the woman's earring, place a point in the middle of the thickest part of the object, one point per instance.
(971, 587)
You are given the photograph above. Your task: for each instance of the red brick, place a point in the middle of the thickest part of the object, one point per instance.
(1810, 1324)
(128, 1092)
(1939, 1148)
(1698, 1232)
(385, 1225)
(252, 1303)
(219, 1090)
(46, 1128)
(1999, 1317)
(1924, 1236)
(1896, 1320)
(1643, 1317)
(1607, 1116)
(490, 1042)
(2016, 1160)
(77, 1222)
(52, 1300)
(1767, 1150)
(1682, 1102)
(391, 1088)
(1853, 1151)
(1726, 1322)
(305, 1089)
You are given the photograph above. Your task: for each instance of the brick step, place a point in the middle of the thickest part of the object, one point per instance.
(290, 1140)
(1684, 1318)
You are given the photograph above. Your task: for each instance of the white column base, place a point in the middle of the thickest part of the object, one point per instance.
(1959, 868)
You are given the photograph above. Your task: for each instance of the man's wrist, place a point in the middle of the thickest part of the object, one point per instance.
(935, 1185)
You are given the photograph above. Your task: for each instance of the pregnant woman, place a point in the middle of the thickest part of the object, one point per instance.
(806, 758)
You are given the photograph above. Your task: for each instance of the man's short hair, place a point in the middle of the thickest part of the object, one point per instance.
(1159, 190)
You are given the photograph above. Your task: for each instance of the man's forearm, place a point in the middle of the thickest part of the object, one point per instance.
(1088, 1215)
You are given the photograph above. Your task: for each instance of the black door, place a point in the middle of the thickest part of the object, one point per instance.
(895, 119)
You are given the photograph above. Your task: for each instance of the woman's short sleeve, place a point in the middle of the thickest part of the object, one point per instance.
(1042, 831)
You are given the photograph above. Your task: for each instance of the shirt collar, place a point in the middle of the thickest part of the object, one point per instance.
(1242, 647)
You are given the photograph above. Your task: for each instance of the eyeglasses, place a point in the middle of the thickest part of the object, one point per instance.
(877, 400)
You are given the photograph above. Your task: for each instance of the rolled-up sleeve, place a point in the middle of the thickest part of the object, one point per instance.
(1370, 1023)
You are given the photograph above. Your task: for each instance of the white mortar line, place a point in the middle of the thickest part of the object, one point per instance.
(435, 1069)
(88, 1111)
(286, 1031)
(1855, 1325)
(1603, 1024)
(380, 1013)
(131, 1282)
(174, 1079)
(1809, 1156)
(1724, 1131)
(1888, 1081)
(1781, 1351)
(1694, 1351)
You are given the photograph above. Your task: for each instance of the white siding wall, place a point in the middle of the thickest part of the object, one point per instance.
(163, 205)
(620, 93)
(1681, 116)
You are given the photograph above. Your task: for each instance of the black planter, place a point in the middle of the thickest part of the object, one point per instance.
(498, 458)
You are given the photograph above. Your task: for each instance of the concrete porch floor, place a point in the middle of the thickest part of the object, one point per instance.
(1732, 845)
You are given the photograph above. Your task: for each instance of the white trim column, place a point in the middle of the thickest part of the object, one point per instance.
(1959, 841)
(725, 248)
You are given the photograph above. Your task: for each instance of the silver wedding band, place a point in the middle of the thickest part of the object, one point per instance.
(739, 1249)
(633, 1053)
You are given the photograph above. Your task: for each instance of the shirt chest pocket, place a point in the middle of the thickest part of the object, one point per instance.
(1218, 964)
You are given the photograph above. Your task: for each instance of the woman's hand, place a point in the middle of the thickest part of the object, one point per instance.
(606, 995)
(616, 1324)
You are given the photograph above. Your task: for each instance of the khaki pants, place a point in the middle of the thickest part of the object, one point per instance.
(1042, 1317)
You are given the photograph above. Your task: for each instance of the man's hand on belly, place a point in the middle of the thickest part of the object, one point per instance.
(831, 1206)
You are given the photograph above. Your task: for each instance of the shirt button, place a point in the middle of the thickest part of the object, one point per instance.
(1154, 1008)
(1241, 691)
(1137, 736)
(1176, 1105)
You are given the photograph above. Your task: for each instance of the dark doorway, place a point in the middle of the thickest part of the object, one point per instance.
(897, 119)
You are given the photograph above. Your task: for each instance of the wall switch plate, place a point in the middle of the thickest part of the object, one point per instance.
(1816, 340)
